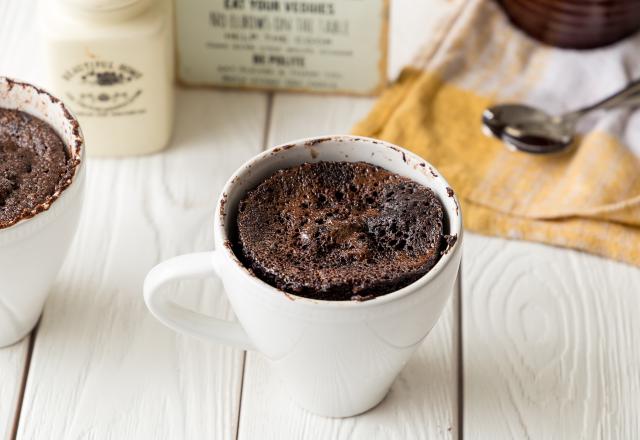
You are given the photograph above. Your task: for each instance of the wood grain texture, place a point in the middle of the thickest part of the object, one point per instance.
(422, 403)
(551, 343)
(102, 366)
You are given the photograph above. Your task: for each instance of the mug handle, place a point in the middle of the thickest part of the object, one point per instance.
(184, 267)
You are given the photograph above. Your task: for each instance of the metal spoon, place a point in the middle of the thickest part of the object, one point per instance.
(532, 130)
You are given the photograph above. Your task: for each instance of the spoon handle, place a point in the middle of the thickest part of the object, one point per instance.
(628, 96)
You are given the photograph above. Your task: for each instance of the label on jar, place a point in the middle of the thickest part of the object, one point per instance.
(310, 45)
(103, 88)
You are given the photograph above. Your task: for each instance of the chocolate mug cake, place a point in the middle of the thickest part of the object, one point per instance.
(34, 166)
(339, 230)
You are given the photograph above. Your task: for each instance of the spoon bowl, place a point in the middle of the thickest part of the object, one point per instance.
(528, 129)
(532, 130)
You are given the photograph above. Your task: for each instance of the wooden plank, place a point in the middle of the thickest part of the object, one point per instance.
(20, 55)
(423, 400)
(13, 361)
(18, 40)
(551, 343)
(102, 366)
(413, 25)
(296, 116)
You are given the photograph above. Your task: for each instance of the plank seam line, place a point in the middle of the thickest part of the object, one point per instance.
(244, 367)
(23, 384)
(265, 140)
(267, 122)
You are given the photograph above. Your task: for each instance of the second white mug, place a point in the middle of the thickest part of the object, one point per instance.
(32, 250)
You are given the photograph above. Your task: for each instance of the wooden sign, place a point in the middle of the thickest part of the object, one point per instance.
(335, 46)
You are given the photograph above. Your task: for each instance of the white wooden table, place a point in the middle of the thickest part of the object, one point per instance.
(537, 343)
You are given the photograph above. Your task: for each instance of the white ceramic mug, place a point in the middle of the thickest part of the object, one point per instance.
(336, 358)
(33, 249)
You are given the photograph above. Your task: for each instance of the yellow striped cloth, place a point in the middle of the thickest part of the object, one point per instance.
(587, 199)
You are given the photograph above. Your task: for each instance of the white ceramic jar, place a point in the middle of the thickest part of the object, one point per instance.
(111, 61)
